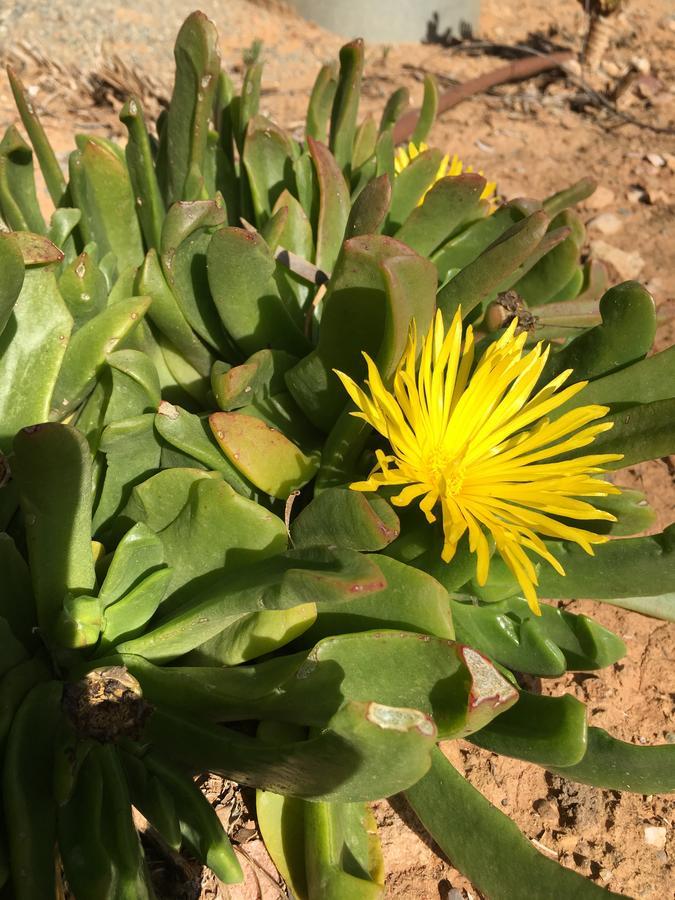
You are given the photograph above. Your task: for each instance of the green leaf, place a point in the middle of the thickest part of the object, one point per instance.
(138, 554)
(17, 604)
(549, 731)
(11, 276)
(320, 103)
(53, 470)
(551, 273)
(186, 236)
(17, 184)
(216, 529)
(166, 314)
(253, 635)
(32, 348)
(334, 205)
(263, 454)
(30, 750)
(410, 186)
(622, 572)
(486, 846)
(570, 196)
(547, 645)
(344, 858)
(625, 336)
(428, 110)
(282, 582)
(645, 431)
(365, 141)
(346, 104)
(86, 352)
(378, 286)
(84, 288)
(619, 766)
(450, 203)
(480, 278)
(126, 618)
(344, 518)
(135, 385)
(159, 499)
(51, 170)
(108, 204)
(241, 274)
(192, 435)
(640, 382)
(185, 133)
(396, 105)
(367, 751)
(132, 453)
(140, 162)
(268, 160)
(370, 208)
(457, 687)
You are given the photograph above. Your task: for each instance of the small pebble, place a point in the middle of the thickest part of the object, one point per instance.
(655, 159)
(655, 836)
(606, 223)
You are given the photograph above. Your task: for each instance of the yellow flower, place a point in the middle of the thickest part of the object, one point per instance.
(479, 445)
(448, 166)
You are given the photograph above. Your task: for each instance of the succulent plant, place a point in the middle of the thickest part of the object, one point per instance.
(194, 586)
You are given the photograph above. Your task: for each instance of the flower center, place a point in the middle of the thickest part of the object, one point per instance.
(446, 472)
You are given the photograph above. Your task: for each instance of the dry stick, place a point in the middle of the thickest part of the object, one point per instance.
(514, 71)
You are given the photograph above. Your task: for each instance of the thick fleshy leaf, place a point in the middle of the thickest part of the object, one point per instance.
(457, 687)
(641, 432)
(86, 353)
(191, 435)
(84, 288)
(334, 205)
(263, 454)
(549, 731)
(570, 196)
(135, 385)
(427, 110)
(548, 645)
(346, 103)
(183, 142)
(619, 766)
(140, 162)
(478, 280)
(625, 336)
(132, 452)
(217, 529)
(17, 604)
(645, 381)
(18, 196)
(138, 554)
(637, 573)
(241, 275)
(461, 250)
(32, 348)
(11, 276)
(159, 499)
(282, 582)
(268, 160)
(450, 203)
(107, 202)
(167, 315)
(49, 165)
(486, 845)
(370, 208)
(53, 470)
(367, 751)
(186, 236)
(320, 103)
(410, 185)
(410, 601)
(343, 518)
(254, 635)
(378, 286)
